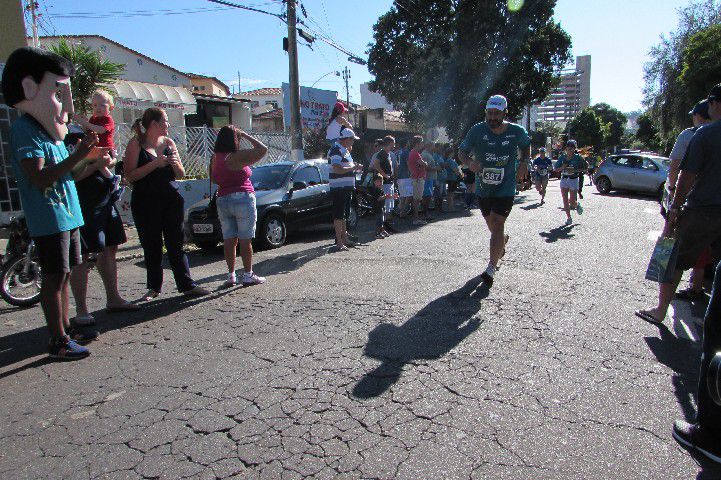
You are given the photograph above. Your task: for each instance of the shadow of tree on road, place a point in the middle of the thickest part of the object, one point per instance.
(431, 333)
(564, 232)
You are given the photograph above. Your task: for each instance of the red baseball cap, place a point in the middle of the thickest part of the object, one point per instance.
(339, 105)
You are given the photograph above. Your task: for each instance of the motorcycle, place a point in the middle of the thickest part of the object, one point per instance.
(20, 276)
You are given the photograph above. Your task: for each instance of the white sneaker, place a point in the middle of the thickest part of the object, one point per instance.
(252, 279)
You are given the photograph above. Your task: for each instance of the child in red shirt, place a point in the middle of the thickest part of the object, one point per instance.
(102, 123)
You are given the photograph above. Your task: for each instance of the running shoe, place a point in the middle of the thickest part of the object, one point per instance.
(579, 209)
(151, 294)
(252, 279)
(487, 276)
(66, 349)
(196, 291)
(380, 236)
(693, 437)
(569, 221)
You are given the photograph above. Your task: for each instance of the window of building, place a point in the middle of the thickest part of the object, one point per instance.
(254, 104)
(272, 102)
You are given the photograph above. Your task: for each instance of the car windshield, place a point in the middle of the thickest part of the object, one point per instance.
(269, 177)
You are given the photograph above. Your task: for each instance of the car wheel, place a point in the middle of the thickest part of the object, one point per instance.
(603, 185)
(207, 245)
(273, 231)
(352, 221)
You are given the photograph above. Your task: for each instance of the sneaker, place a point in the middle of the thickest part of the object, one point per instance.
(386, 233)
(86, 320)
(487, 276)
(579, 209)
(83, 336)
(569, 221)
(196, 291)
(252, 279)
(66, 349)
(691, 436)
(151, 294)
(380, 236)
(231, 281)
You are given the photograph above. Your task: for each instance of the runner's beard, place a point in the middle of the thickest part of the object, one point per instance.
(495, 123)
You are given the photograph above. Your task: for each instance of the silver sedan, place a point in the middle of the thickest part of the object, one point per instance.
(637, 172)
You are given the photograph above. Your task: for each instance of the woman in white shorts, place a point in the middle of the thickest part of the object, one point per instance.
(230, 170)
(570, 164)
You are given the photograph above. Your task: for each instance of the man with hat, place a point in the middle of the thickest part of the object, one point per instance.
(695, 219)
(342, 183)
(495, 145)
(700, 117)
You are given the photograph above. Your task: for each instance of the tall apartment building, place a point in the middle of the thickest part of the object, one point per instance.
(572, 95)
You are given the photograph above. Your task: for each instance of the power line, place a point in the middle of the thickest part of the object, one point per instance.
(243, 7)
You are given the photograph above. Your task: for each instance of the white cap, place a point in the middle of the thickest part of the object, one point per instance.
(498, 102)
(348, 133)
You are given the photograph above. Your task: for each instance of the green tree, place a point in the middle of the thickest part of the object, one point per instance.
(92, 71)
(439, 60)
(702, 63)
(587, 129)
(614, 121)
(665, 95)
(647, 134)
(314, 143)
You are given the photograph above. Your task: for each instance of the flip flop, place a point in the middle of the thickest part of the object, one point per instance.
(123, 307)
(644, 315)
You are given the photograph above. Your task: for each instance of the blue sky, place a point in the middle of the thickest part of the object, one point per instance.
(222, 42)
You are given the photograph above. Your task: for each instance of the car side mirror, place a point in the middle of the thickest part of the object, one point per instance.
(298, 186)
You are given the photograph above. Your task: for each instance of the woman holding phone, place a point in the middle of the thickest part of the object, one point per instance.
(152, 165)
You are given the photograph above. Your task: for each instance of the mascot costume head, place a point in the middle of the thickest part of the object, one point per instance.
(37, 82)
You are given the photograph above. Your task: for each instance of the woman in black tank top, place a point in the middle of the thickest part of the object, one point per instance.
(152, 165)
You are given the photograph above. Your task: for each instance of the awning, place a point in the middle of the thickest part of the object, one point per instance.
(142, 95)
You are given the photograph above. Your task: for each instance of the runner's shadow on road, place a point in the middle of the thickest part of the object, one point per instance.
(563, 232)
(430, 334)
(532, 206)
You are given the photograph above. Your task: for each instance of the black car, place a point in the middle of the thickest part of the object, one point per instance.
(289, 195)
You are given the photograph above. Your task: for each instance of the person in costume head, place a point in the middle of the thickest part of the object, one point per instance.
(37, 83)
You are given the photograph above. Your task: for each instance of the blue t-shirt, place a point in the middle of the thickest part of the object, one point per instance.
(403, 171)
(542, 164)
(498, 156)
(571, 166)
(451, 170)
(441, 163)
(57, 208)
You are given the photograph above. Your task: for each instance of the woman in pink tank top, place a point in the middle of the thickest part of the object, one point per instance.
(230, 170)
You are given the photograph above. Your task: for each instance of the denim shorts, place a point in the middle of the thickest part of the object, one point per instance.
(237, 215)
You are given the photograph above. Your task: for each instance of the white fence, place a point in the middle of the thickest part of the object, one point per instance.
(195, 146)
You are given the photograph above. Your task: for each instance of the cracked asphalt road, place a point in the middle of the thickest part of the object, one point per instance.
(383, 362)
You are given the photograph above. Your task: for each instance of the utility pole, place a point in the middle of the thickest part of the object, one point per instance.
(296, 133)
(346, 76)
(32, 5)
(238, 81)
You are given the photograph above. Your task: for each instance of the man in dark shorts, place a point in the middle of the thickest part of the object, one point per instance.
(37, 83)
(496, 144)
(694, 217)
(699, 225)
(342, 184)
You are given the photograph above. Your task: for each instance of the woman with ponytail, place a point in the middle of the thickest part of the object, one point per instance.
(336, 123)
(152, 165)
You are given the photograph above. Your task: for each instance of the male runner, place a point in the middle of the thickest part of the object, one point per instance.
(495, 145)
(541, 166)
